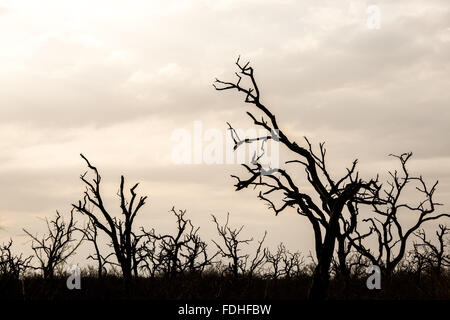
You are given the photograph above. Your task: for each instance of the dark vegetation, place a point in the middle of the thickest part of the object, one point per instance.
(356, 222)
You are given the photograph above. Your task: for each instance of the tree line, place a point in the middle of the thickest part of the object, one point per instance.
(356, 222)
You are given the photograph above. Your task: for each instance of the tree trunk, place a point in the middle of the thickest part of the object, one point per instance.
(321, 276)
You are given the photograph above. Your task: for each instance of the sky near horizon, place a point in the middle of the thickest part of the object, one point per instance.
(115, 79)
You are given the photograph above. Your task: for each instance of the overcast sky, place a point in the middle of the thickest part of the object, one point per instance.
(114, 79)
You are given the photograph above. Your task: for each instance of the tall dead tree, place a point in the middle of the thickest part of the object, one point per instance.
(54, 248)
(385, 227)
(120, 231)
(333, 194)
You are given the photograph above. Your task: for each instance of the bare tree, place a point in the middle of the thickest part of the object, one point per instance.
(255, 265)
(240, 263)
(172, 245)
(196, 256)
(90, 232)
(392, 237)
(284, 264)
(183, 251)
(151, 260)
(12, 265)
(275, 260)
(333, 194)
(435, 256)
(120, 231)
(293, 264)
(54, 248)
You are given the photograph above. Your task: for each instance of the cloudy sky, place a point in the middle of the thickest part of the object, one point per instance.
(115, 79)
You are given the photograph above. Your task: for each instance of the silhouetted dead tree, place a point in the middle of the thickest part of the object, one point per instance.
(334, 194)
(293, 264)
(11, 265)
(196, 256)
(55, 247)
(178, 253)
(256, 264)
(284, 264)
(433, 256)
(172, 246)
(392, 237)
(120, 231)
(151, 260)
(274, 260)
(240, 263)
(90, 232)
